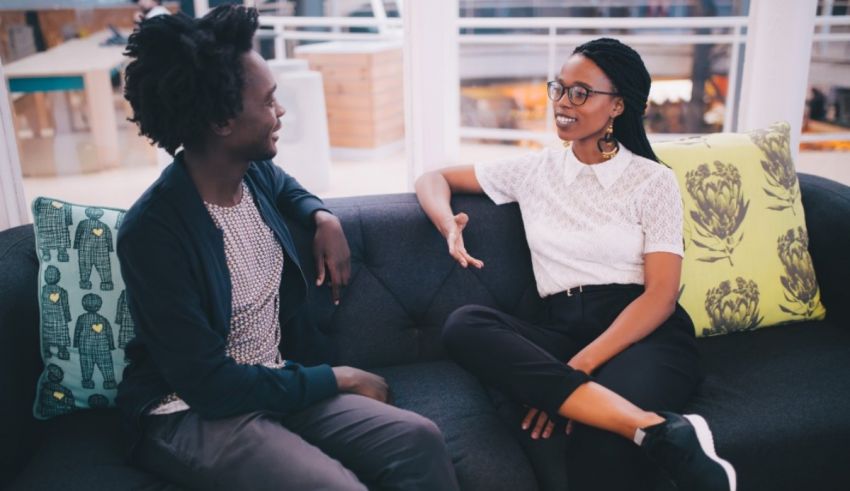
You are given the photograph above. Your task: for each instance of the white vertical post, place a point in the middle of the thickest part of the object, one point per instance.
(380, 13)
(201, 7)
(13, 207)
(551, 73)
(826, 12)
(732, 86)
(431, 85)
(102, 121)
(779, 36)
(332, 10)
(279, 43)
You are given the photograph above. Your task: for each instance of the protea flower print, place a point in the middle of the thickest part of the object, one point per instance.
(778, 166)
(721, 209)
(801, 287)
(732, 308)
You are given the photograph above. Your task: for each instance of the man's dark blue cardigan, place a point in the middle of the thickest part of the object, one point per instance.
(178, 287)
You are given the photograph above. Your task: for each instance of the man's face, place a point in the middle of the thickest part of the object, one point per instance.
(253, 132)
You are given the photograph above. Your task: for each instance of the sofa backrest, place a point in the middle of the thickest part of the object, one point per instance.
(404, 283)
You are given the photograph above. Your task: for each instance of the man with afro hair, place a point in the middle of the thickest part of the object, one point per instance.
(213, 394)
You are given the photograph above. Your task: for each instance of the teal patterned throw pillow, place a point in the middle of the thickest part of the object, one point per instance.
(85, 322)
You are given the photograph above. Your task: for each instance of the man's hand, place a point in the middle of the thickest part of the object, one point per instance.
(331, 253)
(357, 381)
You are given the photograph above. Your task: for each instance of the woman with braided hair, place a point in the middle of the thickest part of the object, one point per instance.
(616, 355)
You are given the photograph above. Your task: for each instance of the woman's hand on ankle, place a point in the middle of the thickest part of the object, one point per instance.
(543, 427)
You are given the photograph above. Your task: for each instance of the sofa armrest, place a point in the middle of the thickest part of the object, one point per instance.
(827, 205)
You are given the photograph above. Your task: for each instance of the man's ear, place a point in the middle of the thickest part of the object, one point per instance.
(222, 128)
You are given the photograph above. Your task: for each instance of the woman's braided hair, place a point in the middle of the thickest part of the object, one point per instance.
(625, 68)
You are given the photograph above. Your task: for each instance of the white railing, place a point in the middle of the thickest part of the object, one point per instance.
(286, 28)
(659, 31)
(644, 31)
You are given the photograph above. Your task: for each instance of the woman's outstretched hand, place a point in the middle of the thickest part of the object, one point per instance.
(454, 236)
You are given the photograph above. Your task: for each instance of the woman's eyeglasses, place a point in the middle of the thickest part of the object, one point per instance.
(577, 94)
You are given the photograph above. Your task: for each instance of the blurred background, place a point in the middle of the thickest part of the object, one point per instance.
(373, 96)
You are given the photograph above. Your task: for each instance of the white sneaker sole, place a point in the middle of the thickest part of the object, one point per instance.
(706, 441)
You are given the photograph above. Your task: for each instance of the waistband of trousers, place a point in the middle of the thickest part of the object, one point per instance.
(579, 290)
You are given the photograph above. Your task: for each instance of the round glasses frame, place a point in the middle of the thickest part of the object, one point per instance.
(577, 94)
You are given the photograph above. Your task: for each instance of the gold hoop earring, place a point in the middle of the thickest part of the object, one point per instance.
(609, 142)
(567, 143)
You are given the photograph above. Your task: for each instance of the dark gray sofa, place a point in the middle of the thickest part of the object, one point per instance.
(778, 399)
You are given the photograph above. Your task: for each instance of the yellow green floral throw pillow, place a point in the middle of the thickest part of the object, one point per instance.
(747, 263)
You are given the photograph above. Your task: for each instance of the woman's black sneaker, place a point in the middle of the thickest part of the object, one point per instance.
(684, 447)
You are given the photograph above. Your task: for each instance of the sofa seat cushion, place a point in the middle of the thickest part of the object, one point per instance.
(86, 449)
(82, 451)
(779, 398)
(775, 398)
(485, 454)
